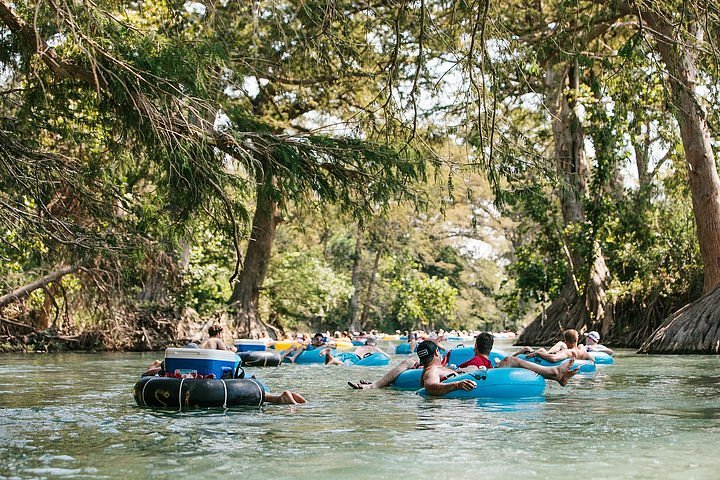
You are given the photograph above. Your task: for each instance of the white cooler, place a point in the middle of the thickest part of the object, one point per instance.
(200, 360)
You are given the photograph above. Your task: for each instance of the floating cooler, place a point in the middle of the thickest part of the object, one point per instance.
(200, 360)
(250, 345)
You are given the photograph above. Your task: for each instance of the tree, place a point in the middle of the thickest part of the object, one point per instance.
(679, 39)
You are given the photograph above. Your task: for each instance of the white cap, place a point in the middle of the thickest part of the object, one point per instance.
(594, 335)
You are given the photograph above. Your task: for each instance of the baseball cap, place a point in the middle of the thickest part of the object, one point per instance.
(594, 335)
(426, 349)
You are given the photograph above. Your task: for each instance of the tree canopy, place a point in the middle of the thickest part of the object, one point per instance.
(168, 148)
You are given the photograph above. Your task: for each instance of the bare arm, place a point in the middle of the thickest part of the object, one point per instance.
(552, 357)
(434, 386)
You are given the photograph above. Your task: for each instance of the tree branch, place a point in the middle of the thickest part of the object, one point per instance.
(39, 283)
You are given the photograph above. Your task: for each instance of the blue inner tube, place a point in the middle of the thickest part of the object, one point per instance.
(586, 366)
(456, 356)
(376, 359)
(602, 358)
(404, 349)
(190, 393)
(257, 358)
(312, 355)
(408, 380)
(498, 383)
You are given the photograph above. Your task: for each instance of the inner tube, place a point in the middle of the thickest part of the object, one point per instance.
(312, 355)
(585, 366)
(602, 358)
(456, 356)
(408, 380)
(267, 358)
(190, 393)
(404, 349)
(498, 383)
(376, 359)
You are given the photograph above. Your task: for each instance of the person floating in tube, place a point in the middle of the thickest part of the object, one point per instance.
(369, 348)
(572, 350)
(592, 343)
(318, 341)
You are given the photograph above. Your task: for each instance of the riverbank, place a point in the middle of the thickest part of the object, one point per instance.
(125, 330)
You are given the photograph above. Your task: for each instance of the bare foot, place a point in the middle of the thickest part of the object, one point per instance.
(290, 398)
(564, 372)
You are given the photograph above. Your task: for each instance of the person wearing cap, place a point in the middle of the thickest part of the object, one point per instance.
(369, 348)
(592, 343)
(434, 373)
(215, 342)
(573, 350)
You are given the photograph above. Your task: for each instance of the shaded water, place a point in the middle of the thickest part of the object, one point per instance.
(73, 416)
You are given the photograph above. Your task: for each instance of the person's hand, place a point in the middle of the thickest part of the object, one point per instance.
(465, 384)
(531, 355)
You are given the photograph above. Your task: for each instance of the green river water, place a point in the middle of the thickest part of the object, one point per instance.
(73, 416)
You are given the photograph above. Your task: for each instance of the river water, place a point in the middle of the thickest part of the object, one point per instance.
(73, 416)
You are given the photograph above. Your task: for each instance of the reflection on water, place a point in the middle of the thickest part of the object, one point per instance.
(73, 416)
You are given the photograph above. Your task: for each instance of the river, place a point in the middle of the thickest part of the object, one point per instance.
(72, 415)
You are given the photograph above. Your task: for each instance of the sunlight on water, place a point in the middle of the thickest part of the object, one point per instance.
(73, 416)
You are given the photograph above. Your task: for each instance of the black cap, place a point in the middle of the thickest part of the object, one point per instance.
(426, 350)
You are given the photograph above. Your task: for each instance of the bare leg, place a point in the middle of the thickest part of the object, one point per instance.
(329, 359)
(561, 374)
(286, 398)
(288, 355)
(388, 378)
(523, 350)
(153, 369)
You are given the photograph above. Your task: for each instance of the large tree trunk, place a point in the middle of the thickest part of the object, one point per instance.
(694, 328)
(355, 298)
(702, 172)
(570, 309)
(246, 293)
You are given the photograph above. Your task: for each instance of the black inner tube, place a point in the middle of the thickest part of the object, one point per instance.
(190, 393)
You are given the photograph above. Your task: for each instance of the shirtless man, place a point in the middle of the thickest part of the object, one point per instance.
(215, 342)
(573, 350)
(434, 373)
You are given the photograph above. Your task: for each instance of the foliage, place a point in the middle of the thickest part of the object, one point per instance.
(421, 301)
(303, 289)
